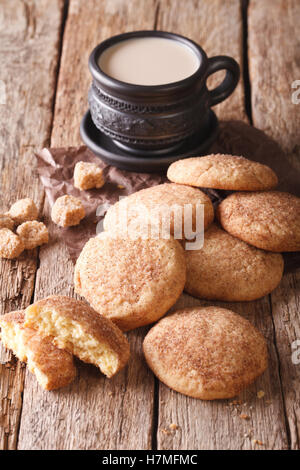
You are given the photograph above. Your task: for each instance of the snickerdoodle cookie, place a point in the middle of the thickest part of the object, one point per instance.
(223, 172)
(269, 220)
(132, 282)
(208, 353)
(77, 328)
(53, 367)
(227, 268)
(155, 204)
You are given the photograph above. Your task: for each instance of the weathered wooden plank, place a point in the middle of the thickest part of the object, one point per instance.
(29, 40)
(274, 66)
(94, 413)
(285, 303)
(217, 26)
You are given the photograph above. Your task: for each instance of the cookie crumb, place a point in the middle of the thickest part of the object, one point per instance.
(260, 394)
(257, 442)
(236, 402)
(173, 427)
(166, 431)
(120, 186)
(244, 416)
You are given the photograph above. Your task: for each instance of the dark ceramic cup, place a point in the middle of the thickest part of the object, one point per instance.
(156, 119)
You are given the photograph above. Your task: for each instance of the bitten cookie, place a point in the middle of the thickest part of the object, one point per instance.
(269, 220)
(156, 203)
(223, 172)
(53, 367)
(229, 269)
(208, 353)
(132, 282)
(67, 211)
(77, 328)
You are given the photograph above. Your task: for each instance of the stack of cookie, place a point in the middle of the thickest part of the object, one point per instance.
(133, 280)
(240, 260)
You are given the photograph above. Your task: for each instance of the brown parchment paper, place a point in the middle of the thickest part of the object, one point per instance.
(56, 167)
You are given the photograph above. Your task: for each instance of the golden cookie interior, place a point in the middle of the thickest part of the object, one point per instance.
(77, 328)
(53, 367)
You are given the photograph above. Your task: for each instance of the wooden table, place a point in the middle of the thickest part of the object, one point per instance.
(44, 48)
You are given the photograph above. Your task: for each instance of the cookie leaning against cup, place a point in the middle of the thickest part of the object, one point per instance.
(223, 172)
(76, 327)
(269, 220)
(226, 268)
(208, 353)
(132, 282)
(158, 199)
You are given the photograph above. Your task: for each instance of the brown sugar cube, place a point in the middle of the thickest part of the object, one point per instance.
(33, 234)
(88, 176)
(11, 246)
(6, 222)
(23, 211)
(67, 211)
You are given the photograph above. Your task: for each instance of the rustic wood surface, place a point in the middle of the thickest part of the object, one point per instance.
(211, 425)
(133, 410)
(29, 50)
(274, 112)
(94, 412)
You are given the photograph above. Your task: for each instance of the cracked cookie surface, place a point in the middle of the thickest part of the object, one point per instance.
(208, 353)
(220, 171)
(269, 220)
(226, 268)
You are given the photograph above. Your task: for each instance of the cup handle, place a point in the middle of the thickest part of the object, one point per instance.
(230, 81)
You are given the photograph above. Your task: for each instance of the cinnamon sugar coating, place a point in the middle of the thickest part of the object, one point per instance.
(208, 353)
(132, 282)
(221, 171)
(269, 220)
